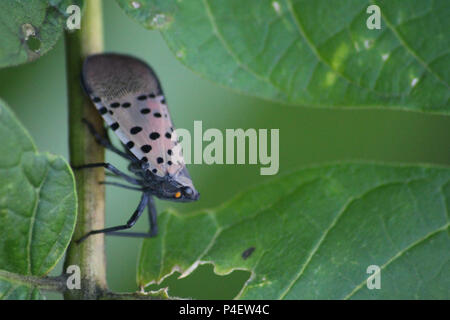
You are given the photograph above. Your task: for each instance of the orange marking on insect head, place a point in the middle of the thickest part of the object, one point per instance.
(178, 194)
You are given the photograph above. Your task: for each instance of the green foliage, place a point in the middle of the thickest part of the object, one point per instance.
(316, 53)
(30, 28)
(313, 233)
(37, 206)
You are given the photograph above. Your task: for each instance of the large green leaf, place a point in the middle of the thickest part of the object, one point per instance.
(37, 202)
(313, 234)
(318, 53)
(30, 28)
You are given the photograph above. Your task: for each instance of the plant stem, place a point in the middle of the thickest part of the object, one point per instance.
(44, 283)
(90, 255)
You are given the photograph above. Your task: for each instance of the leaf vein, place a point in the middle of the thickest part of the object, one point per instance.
(398, 255)
(410, 50)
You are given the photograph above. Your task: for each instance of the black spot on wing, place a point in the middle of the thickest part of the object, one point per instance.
(146, 148)
(135, 130)
(115, 126)
(154, 135)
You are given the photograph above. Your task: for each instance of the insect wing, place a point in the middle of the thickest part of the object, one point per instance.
(128, 95)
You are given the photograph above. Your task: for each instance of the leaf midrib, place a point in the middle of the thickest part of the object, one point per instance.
(33, 220)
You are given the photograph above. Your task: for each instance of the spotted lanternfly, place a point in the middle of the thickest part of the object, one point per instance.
(128, 95)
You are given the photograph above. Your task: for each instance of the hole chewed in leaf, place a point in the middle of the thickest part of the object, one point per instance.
(30, 37)
(34, 44)
(204, 283)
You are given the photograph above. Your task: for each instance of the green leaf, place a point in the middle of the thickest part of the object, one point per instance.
(30, 28)
(313, 234)
(37, 202)
(318, 53)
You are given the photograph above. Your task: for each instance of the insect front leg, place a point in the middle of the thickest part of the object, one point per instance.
(106, 143)
(152, 217)
(111, 168)
(131, 222)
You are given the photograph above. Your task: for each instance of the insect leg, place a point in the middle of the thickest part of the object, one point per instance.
(105, 142)
(134, 218)
(111, 168)
(130, 234)
(152, 215)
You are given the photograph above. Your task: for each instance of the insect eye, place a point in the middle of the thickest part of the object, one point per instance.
(188, 191)
(177, 195)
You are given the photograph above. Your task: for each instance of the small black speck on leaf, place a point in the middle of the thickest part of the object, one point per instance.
(247, 253)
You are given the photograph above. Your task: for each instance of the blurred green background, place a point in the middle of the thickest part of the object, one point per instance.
(37, 93)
